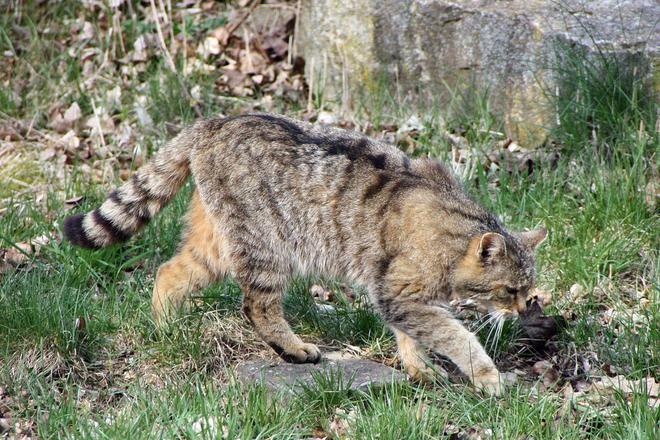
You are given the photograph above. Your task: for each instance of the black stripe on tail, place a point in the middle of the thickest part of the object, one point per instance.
(116, 234)
(75, 232)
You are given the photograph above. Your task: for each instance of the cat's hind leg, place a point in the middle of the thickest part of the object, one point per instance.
(201, 260)
(263, 287)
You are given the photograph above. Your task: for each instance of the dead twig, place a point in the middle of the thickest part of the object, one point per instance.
(235, 25)
(161, 39)
(169, 61)
(98, 125)
(31, 129)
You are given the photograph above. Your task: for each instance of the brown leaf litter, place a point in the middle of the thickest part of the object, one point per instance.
(253, 54)
(21, 253)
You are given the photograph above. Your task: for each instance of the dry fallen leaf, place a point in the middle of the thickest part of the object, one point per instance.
(101, 123)
(70, 141)
(210, 46)
(473, 433)
(209, 424)
(547, 372)
(341, 421)
(543, 297)
(139, 49)
(73, 113)
(222, 35)
(74, 202)
(22, 251)
(575, 292)
(628, 386)
(327, 118)
(421, 409)
(59, 124)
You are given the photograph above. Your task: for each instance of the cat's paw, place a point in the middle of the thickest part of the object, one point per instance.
(302, 353)
(488, 382)
(424, 373)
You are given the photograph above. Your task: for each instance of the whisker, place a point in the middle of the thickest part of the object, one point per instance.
(500, 327)
(496, 332)
(493, 318)
(483, 322)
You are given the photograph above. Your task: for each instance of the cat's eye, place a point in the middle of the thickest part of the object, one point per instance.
(512, 291)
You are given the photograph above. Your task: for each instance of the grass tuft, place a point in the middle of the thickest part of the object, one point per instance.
(604, 99)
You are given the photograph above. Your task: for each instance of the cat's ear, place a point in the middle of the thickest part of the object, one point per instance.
(533, 239)
(491, 246)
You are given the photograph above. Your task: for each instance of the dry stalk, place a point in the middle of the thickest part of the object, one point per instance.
(235, 25)
(169, 61)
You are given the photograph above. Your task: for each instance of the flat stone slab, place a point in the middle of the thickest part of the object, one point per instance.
(284, 377)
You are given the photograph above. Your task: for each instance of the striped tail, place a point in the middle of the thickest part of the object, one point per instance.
(129, 207)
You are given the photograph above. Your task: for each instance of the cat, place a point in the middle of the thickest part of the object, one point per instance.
(276, 197)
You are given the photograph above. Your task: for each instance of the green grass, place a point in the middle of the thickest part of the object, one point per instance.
(601, 96)
(602, 231)
(116, 376)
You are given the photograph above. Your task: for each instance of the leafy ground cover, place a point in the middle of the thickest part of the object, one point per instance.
(89, 89)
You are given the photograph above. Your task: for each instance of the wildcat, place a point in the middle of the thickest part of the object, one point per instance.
(277, 197)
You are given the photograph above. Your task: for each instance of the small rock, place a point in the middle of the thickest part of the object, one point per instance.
(281, 376)
(326, 309)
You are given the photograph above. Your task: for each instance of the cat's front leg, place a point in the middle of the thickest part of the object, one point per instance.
(414, 360)
(437, 329)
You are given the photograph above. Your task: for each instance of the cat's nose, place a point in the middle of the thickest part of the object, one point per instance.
(521, 306)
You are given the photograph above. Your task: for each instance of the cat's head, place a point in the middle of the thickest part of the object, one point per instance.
(498, 271)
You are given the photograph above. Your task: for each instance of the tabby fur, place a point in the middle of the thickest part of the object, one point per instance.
(276, 197)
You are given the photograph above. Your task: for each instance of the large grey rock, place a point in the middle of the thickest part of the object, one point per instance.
(285, 377)
(502, 47)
